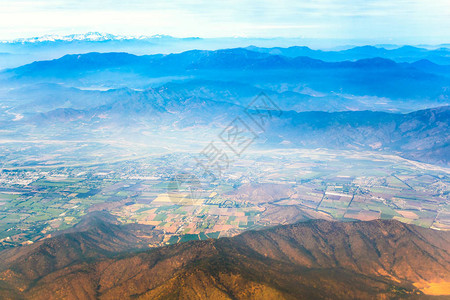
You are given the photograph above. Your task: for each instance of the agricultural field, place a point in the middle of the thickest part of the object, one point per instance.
(262, 189)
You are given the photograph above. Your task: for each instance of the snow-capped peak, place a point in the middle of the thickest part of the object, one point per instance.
(90, 36)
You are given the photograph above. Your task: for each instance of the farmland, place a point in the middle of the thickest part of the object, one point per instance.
(262, 189)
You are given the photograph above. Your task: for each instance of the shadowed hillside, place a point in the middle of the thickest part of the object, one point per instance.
(311, 260)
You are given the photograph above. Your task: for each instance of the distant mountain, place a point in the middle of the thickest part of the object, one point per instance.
(242, 94)
(398, 54)
(205, 90)
(72, 65)
(43, 97)
(97, 41)
(377, 77)
(421, 135)
(193, 60)
(89, 36)
(311, 260)
(27, 50)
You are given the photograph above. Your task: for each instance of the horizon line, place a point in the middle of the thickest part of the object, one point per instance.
(104, 36)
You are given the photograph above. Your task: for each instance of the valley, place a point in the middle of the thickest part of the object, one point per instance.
(261, 189)
(237, 173)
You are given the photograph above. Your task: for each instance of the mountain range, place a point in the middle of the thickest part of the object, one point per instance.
(323, 104)
(315, 259)
(400, 54)
(175, 110)
(17, 52)
(391, 101)
(88, 37)
(376, 84)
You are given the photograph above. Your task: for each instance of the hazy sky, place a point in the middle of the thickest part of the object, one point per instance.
(401, 21)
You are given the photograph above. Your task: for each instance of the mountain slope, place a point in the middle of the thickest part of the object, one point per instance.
(316, 259)
(421, 135)
(98, 235)
(176, 108)
(45, 97)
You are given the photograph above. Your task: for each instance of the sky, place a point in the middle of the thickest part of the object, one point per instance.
(389, 21)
